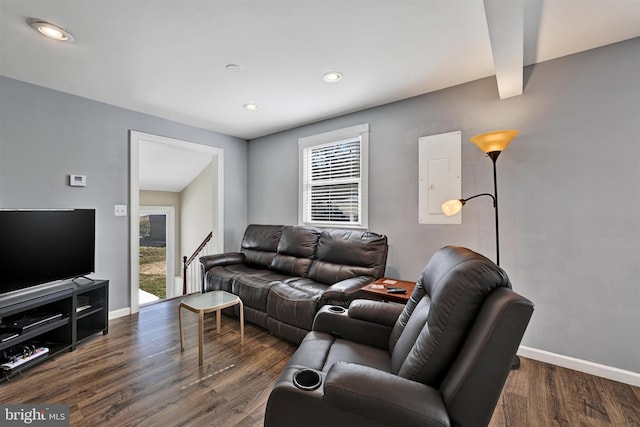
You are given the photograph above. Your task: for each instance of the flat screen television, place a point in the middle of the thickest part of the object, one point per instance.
(42, 246)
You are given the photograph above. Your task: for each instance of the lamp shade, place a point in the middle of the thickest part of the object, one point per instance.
(451, 207)
(494, 141)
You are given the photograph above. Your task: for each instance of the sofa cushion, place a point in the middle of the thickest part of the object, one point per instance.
(299, 241)
(296, 249)
(330, 273)
(253, 290)
(320, 351)
(291, 265)
(352, 247)
(262, 237)
(341, 254)
(305, 283)
(361, 354)
(293, 302)
(221, 278)
(260, 243)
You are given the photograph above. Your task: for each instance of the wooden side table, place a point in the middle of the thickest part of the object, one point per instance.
(378, 289)
(207, 303)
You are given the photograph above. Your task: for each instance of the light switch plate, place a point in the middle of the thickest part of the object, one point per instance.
(120, 210)
(78, 180)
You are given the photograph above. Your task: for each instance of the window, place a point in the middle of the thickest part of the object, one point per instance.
(334, 178)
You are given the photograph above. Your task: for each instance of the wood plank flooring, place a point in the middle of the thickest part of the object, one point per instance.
(137, 376)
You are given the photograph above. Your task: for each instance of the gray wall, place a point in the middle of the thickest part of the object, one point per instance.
(569, 189)
(46, 135)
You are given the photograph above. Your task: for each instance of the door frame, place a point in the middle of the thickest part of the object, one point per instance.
(135, 138)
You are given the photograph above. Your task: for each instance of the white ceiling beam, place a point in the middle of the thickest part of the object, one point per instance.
(506, 32)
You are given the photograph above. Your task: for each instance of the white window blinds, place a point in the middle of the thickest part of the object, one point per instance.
(333, 182)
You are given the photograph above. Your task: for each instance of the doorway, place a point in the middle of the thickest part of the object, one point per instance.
(140, 143)
(156, 254)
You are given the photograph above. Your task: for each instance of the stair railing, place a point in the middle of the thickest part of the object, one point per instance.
(191, 273)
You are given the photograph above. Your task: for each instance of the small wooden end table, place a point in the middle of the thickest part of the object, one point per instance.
(378, 289)
(206, 303)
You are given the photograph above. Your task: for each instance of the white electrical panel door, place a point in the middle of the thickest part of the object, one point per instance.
(440, 176)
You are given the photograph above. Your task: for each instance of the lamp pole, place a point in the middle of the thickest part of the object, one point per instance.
(515, 363)
(455, 209)
(494, 157)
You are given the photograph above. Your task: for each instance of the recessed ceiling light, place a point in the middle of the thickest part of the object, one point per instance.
(250, 106)
(332, 76)
(234, 68)
(50, 30)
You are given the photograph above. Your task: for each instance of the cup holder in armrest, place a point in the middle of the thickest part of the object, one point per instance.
(307, 379)
(337, 309)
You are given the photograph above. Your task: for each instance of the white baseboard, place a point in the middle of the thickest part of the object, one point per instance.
(119, 313)
(604, 371)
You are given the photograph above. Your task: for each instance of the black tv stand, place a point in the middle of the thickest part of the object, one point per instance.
(53, 317)
(29, 321)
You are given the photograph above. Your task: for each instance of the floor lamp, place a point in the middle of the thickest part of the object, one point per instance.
(492, 143)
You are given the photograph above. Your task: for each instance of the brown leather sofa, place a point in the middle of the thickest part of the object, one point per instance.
(285, 274)
(440, 360)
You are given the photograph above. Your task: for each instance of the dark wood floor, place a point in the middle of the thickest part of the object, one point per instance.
(137, 376)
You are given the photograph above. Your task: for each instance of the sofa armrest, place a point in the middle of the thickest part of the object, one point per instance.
(370, 328)
(351, 285)
(384, 397)
(345, 291)
(383, 313)
(220, 260)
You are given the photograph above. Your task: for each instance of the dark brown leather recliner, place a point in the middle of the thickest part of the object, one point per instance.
(440, 360)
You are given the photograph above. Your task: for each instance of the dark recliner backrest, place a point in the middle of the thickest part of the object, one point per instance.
(443, 307)
(343, 254)
(474, 382)
(296, 250)
(260, 243)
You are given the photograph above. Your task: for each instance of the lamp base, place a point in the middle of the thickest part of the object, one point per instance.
(515, 363)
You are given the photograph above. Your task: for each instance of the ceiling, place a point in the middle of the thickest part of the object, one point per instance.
(169, 58)
(163, 167)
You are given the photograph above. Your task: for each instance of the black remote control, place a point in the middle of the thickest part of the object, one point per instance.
(392, 290)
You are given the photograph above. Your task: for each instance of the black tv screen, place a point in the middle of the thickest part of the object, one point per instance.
(41, 246)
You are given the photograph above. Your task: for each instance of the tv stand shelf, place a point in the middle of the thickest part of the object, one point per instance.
(57, 317)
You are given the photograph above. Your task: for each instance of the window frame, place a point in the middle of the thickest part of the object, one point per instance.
(338, 136)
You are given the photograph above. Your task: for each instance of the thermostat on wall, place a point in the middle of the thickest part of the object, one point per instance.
(78, 180)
